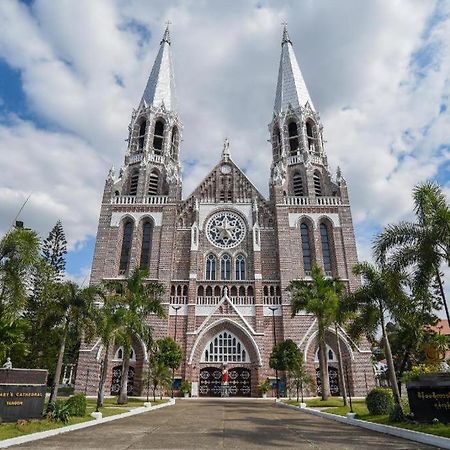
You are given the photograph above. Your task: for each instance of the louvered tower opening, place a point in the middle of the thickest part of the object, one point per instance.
(153, 184)
(134, 182)
(317, 185)
(298, 185)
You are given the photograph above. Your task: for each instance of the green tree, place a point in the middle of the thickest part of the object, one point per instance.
(300, 378)
(19, 251)
(422, 245)
(169, 354)
(54, 249)
(108, 320)
(382, 289)
(321, 298)
(159, 376)
(74, 308)
(138, 299)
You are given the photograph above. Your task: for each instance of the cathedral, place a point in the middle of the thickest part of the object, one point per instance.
(224, 253)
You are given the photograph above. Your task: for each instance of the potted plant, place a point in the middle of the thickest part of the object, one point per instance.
(264, 388)
(186, 387)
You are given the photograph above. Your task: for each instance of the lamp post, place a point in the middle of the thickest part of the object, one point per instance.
(273, 309)
(176, 308)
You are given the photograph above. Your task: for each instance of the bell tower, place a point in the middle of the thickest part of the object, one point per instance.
(299, 164)
(152, 163)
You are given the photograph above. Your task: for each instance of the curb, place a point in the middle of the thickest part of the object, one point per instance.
(78, 426)
(411, 435)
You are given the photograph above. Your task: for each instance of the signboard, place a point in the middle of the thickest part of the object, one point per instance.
(21, 402)
(429, 397)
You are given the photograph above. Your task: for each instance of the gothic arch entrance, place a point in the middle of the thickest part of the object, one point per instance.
(239, 382)
(333, 376)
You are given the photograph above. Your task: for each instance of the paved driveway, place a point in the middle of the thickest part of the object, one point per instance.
(215, 424)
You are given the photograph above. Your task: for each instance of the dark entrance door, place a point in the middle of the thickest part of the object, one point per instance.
(210, 382)
(333, 376)
(117, 377)
(239, 383)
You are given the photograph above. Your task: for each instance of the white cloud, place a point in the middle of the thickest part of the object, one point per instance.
(84, 66)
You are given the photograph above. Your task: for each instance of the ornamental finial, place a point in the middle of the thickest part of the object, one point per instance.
(166, 37)
(286, 37)
(226, 149)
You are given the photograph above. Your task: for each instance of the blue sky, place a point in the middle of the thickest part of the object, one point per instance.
(71, 72)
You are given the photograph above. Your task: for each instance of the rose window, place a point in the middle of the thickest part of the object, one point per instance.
(225, 229)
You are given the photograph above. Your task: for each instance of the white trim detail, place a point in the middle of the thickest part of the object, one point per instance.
(218, 322)
(344, 339)
(116, 217)
(205, 209)
(314, 217)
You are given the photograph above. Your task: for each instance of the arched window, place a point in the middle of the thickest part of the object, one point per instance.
(324, 238)
(141, 136)
(331, 356)
(276, 144)
(153, 181)
(306, 248)
(134, 180)
(119, 355)
(293, 138)
(158, 137)
(147, 232)
(310, 135)
(298, 185)
(225, 267)
(211, 267)
(174, 143)
(126, 247)
(240, 267)
(317, 184)
(224, 347)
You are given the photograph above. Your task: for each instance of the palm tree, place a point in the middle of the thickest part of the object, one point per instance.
(19, 251)
(321, 298)
(138, 299)
(108, 320)
(159, 375)
(422, 245)
(382, 289)
(75, 306)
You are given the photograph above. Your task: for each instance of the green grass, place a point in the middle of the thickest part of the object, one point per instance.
(360, 408)
(317, 402)
(10, 430)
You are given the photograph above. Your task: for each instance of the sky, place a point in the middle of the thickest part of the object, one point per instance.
(71, 72)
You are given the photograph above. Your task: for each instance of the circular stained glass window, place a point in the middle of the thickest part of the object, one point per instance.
(225, 229)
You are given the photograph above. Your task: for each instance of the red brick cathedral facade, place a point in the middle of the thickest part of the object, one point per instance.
(226, 254)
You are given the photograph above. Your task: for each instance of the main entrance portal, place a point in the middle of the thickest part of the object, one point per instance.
(239, 382)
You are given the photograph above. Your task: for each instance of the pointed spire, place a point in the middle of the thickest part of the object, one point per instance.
(160, 87)
(226, 150)
(291, 87)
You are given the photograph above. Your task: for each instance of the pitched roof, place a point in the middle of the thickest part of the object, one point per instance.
(160, 87)
(291, 87)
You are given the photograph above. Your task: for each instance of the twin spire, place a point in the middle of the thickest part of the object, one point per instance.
(291, 87)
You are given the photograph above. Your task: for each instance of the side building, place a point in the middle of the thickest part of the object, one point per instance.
(226, 254)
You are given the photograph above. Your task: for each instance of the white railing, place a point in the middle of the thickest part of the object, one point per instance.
(321, 201)
(135, 158)
(297, 201)
(272, 300)
(296, 159)
(214, 200)
(156, 158)
(178, 300)
(242, 301)
(133, 200)
(207, 300)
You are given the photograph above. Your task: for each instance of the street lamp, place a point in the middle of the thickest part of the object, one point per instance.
(176, 308)
(273, 309)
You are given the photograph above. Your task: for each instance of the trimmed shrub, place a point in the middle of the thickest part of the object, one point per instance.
(77, 405)
(380, 401)
(58, 412)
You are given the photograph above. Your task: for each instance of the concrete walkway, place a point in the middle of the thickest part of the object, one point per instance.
(215, 424)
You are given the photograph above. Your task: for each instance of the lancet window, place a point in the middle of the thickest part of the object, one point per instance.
(225, 267)
(297, 182)
(126, 247)
(153, 181)
(147, 232)
(293, 138)
(306, 248)
(158, 137)
(134, 180)
(326, 252)
(141, 136)
(210, 267)
(240, 268)
(317, 184)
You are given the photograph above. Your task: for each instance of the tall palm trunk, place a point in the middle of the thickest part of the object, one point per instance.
(62, 347)
(341, 366)
(323, 365)
(103, 375)
(123, 395)
(441, 289)
(390, 362)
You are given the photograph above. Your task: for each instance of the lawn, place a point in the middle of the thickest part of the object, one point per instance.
(110, 408)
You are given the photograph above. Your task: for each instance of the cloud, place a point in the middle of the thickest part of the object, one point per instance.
(377, 72)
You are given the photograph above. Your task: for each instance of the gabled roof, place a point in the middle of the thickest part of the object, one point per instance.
(291, 87)
(160, 89)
